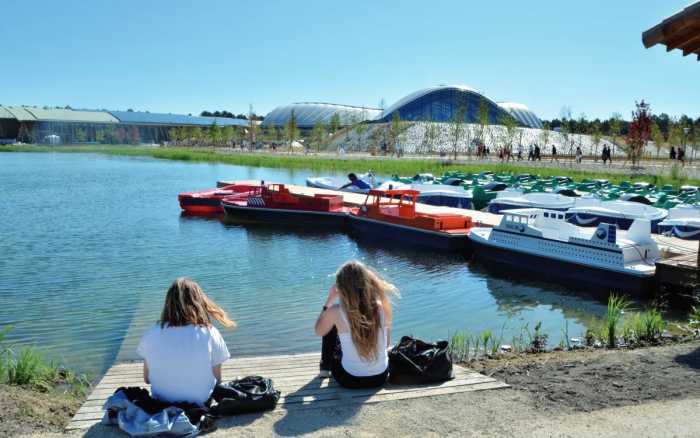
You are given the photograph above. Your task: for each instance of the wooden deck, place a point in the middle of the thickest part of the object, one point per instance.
(296, 376)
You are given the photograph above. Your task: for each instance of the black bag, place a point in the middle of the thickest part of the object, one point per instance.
(243, 396)
(413, 361)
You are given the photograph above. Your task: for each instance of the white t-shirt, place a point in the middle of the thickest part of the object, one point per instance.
(180, 361)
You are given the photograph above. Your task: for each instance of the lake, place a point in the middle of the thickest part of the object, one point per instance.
(90, 243)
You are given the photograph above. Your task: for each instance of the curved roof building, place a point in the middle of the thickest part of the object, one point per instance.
(308, 113)
(440, 103)
(522, 114)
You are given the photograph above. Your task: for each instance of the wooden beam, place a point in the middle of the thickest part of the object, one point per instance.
(691, 46)
(678, 39)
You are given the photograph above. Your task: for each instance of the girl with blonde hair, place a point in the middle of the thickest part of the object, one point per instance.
(183, 353)
(356, 331)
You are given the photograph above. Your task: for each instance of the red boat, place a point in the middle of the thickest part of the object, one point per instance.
(274, 203)
(391, 214)
(208, 202)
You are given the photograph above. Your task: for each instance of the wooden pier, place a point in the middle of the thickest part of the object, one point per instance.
(296, 376)
(480, 218)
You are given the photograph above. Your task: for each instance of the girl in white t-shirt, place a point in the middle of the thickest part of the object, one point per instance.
(183, 353)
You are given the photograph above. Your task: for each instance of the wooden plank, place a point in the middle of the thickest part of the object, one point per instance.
(405, 395)
(320, 394)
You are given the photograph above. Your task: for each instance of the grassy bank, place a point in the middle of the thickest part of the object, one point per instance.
(382, 166)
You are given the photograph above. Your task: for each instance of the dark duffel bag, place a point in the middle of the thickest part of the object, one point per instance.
(413, 361)
(243, 396)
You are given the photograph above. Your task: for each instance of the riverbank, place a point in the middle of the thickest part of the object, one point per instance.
(644, 392)
(25, 410)
(405, 166)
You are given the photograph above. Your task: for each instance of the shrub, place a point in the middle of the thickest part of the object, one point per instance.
(538, 339)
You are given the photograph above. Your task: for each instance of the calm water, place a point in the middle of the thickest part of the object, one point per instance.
(90, 243)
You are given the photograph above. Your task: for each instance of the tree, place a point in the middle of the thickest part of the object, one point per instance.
(291, 131)
(457, 127)
(334, 124)
(639, 131)
(596, 137)
(252, 126)
(657, 137)
(545, 134)
(227, 135)
(81, 135)
(134, 135)
(196, 135)
(394, 131)
(100, 135)
(615, 128)
(174, 135)
(511, 126)
(318, 135)
(483, 116)
(214, 134)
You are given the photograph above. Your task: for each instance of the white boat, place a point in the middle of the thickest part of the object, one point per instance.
(589, 212)
(444, 195)
(512, 198)
(683, 221)
(542, 241)
(336, 182)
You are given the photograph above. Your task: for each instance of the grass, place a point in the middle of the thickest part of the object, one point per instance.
(617, 304)
(28, 367)
(381, 166)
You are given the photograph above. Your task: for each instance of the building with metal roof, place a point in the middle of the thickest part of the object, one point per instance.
(522, 114)
(307, 114)
(442, 102)
(679, 31)
(39, 125)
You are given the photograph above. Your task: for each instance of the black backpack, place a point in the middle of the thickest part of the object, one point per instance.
(243, 396)
(413, 361)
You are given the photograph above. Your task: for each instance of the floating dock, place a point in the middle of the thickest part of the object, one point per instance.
(295, 375)
(480, 218)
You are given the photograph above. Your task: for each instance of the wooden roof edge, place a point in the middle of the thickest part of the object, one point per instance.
(656, 34)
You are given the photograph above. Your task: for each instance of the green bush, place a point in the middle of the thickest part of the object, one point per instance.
(617, 305)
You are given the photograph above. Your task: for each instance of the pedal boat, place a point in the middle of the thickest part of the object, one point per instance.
(208, 202)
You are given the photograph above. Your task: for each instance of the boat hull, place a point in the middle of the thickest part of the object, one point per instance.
(572, 274)
(686, 232)
(367, 228)
(278, 216)
(593, 220)
(201, 206)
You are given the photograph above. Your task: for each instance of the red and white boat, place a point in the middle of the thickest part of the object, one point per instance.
(208, 202)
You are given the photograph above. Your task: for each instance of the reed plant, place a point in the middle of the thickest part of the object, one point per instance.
(537, 338)
(694, 319)
(617, 304)
(460, 346)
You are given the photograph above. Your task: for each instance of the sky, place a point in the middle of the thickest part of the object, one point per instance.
(181, 56)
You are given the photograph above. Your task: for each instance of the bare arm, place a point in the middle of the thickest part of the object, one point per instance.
(145, 373)
(326, 320)
(388, 318)
(217, 373)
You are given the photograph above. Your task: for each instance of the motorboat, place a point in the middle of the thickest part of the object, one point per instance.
(542, 240)
(590, 211)
(336, 182)
(683, 221)
(512, 199)
(208, 202)
(444, 195)
(275, 204)
(392, 215)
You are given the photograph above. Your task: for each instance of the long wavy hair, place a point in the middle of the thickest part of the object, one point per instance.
(186, 303)
(362, 295)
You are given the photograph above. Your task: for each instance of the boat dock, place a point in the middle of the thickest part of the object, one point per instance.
(480, 218)
(296, 376)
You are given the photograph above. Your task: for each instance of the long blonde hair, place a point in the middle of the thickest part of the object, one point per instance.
(362, 292)
(186, 303)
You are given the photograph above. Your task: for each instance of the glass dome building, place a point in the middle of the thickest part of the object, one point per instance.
(440, 103)
(308, 113)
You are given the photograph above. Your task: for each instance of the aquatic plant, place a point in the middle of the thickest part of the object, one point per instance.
(538, 339)
(486, 336)
(652, 324)
(617, 304)
(460, 346)
(694, 320)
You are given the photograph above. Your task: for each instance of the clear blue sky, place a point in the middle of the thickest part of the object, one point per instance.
(187, 56)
